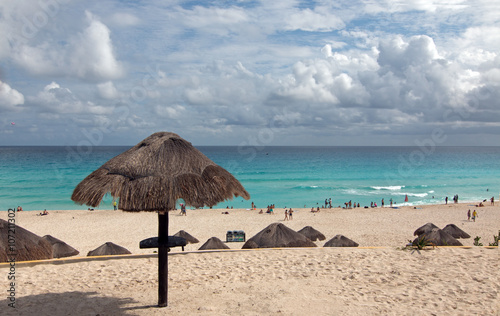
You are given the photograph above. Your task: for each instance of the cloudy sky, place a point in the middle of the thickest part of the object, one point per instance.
(393, 72)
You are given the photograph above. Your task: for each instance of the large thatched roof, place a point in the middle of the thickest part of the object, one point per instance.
(278, 235)
(340, 241)
(108, 249)
(213, 243)
(24, 244)
(311, 233)
(439, 238)
(155, 173)
(424, 229)
(60, 249)
(189, 238)
(456, 232)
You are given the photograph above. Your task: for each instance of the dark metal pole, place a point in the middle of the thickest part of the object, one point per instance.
(162, 258)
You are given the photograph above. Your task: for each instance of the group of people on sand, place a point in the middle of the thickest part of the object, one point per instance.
(315, 210)
(474, 215)
(288, 214)
(270, 209)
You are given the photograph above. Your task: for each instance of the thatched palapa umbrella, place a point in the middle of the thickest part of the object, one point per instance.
(340, 241)
(19, 244)
(454, 231)
(312, 233)
(278, 235)
(189, 238)
(438, 237)
(424, 229)
(151, 177)
(108, 249)
(60, 249)
(213, 243)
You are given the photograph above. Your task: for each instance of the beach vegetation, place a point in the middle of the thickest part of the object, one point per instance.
(421, 243)
(477, 241)
(495, 238)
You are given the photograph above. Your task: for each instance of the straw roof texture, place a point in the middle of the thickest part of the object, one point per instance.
(60, 249)
(108, 249)
(213, 243)
(189, 239)
(340, 241)
(155, 173)
(439, 238)
(23, 245)
(311, 233)
(278, 235)
(456, 232)
(424, 229)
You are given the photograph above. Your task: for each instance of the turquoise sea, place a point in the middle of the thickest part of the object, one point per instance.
(38, 178)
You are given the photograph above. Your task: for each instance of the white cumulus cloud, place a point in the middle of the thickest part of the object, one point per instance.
(9, 97)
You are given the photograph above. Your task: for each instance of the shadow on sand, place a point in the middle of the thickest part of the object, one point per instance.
(71, 303)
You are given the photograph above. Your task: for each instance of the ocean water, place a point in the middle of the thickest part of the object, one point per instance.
(38, 178)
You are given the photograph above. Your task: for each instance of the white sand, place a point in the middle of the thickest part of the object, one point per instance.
(322, 281)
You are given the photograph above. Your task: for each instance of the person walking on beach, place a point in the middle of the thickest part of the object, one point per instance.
(474, 215)
(286, 215)
(492, 200)
(468, 215)
(290, 213)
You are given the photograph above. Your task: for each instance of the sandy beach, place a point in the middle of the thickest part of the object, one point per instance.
(384, 280)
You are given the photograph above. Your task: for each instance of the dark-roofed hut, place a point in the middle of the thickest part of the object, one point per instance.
(311, 233)
(60, 249)
(278, 235)
(213, 243)
(438, 237)
(456, 232)
(151, 177)
(19, 244)
(340, 241)
(189, 239)
(108, 249)
(423, 229)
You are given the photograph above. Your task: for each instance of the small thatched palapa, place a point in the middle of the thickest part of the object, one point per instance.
(152, 176)
(60, 249)
(278, 235)
(213, 243)
(108, 249)
(24, 245)
(340, 241)
(189, 239)
(311, 233)
(456, 232)
(438, 237)
(424, 229)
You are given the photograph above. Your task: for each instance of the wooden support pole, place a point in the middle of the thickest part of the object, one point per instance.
(162, 259)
